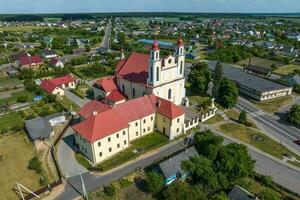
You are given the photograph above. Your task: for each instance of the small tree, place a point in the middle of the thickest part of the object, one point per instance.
(294, 115)
(35, 164)
(228, 94)
(154, 182)
(87, 48)
(243, 117)
(218, 77)
(110, 190)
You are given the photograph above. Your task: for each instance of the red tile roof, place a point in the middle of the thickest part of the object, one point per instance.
(100, 126)
(107, 83)
(53, 61)
(92, 106)
(136, 108)
(29, 60)
(116, 96)
(135, 68)
(166, 108)
(48, 86)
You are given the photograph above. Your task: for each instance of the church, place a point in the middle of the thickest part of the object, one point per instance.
(143, 74)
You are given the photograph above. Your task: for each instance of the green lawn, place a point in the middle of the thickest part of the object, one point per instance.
(81, 90)
(256, 139)
(273, 105)
(10, 120)
(16, 152)
(260, 62)
(6, 82)
(68, 104)
(22, 28)
(13, 99)
(216, 119)
(286, 69)
(147, 143)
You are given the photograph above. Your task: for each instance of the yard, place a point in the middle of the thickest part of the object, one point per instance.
(273, 105)
(142, 145)
(15, 153)
(286, 69)
(8, 82)
(14, 98)
(81, 90)
(260, 62)
(256, 139)
(10, 120)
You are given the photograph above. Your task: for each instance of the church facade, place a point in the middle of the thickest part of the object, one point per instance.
(143, 74)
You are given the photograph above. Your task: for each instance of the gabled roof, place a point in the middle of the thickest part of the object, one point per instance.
(101, 125)
(136, 108)
(116, 96)
(135, 68)
(107, 84)
(93, 106)
(28, 60)
(51, 84)
(166, 108)
(48, 86)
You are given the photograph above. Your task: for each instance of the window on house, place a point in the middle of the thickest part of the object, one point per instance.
(169, 93)
(85, 150)
(144, 121)
(125, 142)
(133, 92)
(178, 120)
(136, 124)
(100, 154)
(151, 118)
(148, 128)
(99, 144)
(137, 133)
(118, 145)
(124, 132)
(181, 67)
(151, 74)
(108, 139)
(117, 135)
(83, 140)
(109, 149)
(177, 130)
(144, 130)
(157, 55)
(164, 120)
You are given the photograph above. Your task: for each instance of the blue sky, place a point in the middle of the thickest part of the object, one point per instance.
(62, 6)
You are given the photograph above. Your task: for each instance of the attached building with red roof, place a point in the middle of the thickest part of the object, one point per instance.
(56, 86)
(106, 130)
(25, 60)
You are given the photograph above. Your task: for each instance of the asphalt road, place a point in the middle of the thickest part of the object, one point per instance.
(281, 174)
(274, 127)
(106, 38)
(75, 99)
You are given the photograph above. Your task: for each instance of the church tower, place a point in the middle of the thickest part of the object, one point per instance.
(154, 68)
(180, 56)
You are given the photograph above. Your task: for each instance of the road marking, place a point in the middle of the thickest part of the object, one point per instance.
(257, 116)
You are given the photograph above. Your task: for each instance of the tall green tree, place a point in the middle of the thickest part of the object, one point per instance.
(294, 115)
(154, 182)
(208, 144)
(199, 78)
(243, 117)
(217, 79)
(228, 93)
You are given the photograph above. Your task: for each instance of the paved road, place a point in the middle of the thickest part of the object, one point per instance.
(65, 156)
(106, 39)
(282, 174)
(75, 99)
(274, 128)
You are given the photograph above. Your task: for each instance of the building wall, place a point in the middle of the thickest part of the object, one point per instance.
(98, 93)
(141, 127)
(177, 127)
(85, 146)
(58, 91)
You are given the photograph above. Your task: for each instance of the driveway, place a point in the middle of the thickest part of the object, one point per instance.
(66, 158)
(75, 99)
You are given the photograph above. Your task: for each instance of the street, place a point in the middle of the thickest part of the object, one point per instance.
(281, 173)
(106, 39)
(75, 99)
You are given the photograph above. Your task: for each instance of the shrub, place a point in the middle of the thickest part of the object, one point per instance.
(22, 99)
(124, 182)
(110, 190)
(35, 164)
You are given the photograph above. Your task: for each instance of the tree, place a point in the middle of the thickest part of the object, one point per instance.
(219, 196)
(228, 93)
(154, 182)
(243, 117)
(87, 48)
(199, 78)
(22, 99)
(294, 115)
(234, 162)
(110, 190)
(26, 74)
(218, 77)
(208, 144)
(35, 164)
(268, 194)
(30, 85)
(183, 191)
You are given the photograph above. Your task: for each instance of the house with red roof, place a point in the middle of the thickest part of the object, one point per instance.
(57, 85)
(106, 130)
(57, 62)
(25, 60)
(106, 89)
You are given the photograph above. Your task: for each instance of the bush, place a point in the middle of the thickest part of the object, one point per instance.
(35, 164)
(154, 182)
(22, 99)
(110, 190)
(268, 194)
(124, 183)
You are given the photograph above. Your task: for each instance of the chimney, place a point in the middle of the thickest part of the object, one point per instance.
(95, 113)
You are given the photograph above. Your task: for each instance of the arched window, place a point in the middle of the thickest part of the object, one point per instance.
(157, 55)
(133, 92)
(181, 67)
(157, 74)
(181, 50)
(151, 74)
(169, 93)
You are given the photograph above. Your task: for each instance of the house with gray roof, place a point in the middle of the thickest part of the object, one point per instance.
(255, 87)
(171, 168)
(42, 127)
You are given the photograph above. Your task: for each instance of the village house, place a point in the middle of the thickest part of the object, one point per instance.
(57, 62)
(49, 53)
(56, 86)
(25, 60)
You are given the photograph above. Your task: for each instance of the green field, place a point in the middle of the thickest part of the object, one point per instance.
(13, 99)
(22, 28)
(286, 69)
(16, 151)
(10, 120)
(273, 105)
(260, 62)
(6, 82)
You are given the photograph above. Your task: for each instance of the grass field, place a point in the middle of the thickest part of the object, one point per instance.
(10, 120)
(16, 95)
(216, 119)
(147, 143)
(17, 152)
(260, 62)
(273, 105)
(6, 82)
(22, 28)
(261, 142)
(68, 104)
(286, 69)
